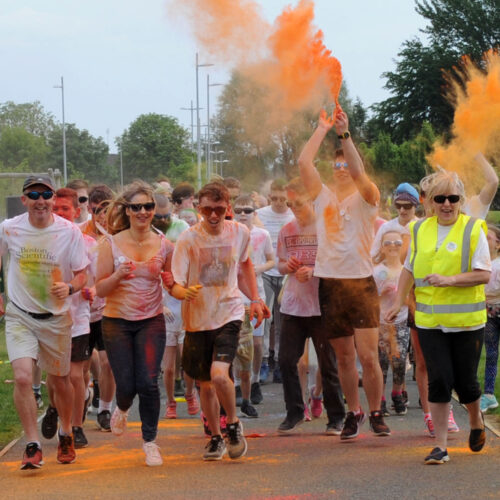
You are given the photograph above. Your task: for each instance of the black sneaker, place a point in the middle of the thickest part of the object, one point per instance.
(178, 387)
(248, 410)
(238, 395)
(104, 421)
(215, 449)
(399, 404)
(49, 423)
(95, 398)
(32, 457)
(236, 442)
(352, 423)
(477, 438)
(79, 438)
(256, 394)
(289, 425)
(334, 428)
(383, 408)
(437, 456)
(377, 424)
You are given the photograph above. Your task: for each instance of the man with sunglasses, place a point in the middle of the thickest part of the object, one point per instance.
(82, 190)
(345, 216)
(47, 264)
(273, 218)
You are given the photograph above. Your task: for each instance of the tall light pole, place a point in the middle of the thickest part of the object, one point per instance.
(65, 168)
(192, 108)
(198, 131)
(209, 166)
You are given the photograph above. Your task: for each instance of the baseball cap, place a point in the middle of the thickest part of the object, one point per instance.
(33, 180)
(406, 192)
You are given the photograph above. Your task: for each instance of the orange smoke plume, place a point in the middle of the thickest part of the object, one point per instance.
(476, 125)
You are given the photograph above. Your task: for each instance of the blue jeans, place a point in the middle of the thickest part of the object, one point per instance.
(491, 337)
(135, 350)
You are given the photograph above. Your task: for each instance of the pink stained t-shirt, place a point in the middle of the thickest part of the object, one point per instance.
(141, 296)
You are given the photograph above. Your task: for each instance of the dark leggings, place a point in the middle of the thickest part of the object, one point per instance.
(491, 336)
(452, 359)
(135, 350)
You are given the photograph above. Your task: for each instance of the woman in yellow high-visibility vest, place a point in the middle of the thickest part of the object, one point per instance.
(449, 263)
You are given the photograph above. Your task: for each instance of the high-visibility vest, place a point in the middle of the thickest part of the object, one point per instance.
(453, 307)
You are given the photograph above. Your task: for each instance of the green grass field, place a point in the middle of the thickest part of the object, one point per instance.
(494, 217)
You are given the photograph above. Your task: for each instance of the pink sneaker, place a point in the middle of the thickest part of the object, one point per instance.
(119, 422)
(171, 411)
(452, 425)
(307, 413)
(430, 425)
(192, 404)
(316, 405)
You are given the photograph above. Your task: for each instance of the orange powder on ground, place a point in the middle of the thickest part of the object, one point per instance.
(476, 125)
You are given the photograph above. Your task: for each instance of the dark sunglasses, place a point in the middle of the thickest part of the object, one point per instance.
(246, 210)
(295, 204)
(160, 216)
(83, 199)
(207, 211)
(406, 206)
(452, 198)
(97, 210)
(338, 165)
(388, 243)
(137, 207)
(35, 195)
(178, 201)
(278, 198)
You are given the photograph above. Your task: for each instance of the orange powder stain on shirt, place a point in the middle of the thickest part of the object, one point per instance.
(330, 216)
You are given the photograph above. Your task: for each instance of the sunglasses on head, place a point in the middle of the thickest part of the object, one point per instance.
(338, 165)
(406, 206)
(137, 207)
(207, 211)
(97, 210)
(278, 198)
(388, 243)
(296, 204)
(452, 198)
(161, 216)
(246, 210)
(83, 199)
(35, 195)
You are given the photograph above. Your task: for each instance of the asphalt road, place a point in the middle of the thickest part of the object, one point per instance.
(306, 465)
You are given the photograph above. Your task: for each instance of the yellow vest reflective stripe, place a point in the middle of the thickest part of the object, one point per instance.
(453, 307)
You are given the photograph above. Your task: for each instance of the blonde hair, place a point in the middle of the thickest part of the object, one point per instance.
(117, 217)
(445, 182)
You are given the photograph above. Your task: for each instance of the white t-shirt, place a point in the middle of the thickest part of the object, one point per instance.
(261, 245)
(299, 299)
(475, 208)
(387, 280)
(38, 258)
(492, 288)
(345, 235)
(273, 222)
(386, 227)
(212, 261)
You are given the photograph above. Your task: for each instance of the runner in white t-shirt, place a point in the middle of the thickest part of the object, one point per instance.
(348, 295)
(47, 264)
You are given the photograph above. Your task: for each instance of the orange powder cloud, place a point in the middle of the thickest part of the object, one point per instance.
(476, 125)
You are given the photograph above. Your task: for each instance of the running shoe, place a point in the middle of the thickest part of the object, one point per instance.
(79, 438)
(399, 404)
(104, 421)
(178, 388)
(238, 395)
(290, 425)
(171, 411)
(430, 425)
(66, 450)
(49, 423)
(488, 402)
(316, 405)
(383, 408)
(264, 372)
(437, 456)
(256, 394)
(352, 424)
(152, 451)
(192, 403)
(39, 400)
(215, 449)
(307, 413)
(236, 442)
(452, 425)
(334, 428)
(248, 410)
(377, 424)
(32, 457)
(477, 438)
(406, 400)
(88, 400)
(118, 421)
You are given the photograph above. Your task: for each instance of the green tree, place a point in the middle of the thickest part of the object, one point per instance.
(156, 145)
(20, 147)
(29, 116)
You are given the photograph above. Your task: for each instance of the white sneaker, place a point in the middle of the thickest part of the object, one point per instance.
(152, 451)
(118, 421)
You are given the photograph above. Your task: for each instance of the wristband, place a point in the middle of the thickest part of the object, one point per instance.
(70, 289)
(345, 135)
(256, 301)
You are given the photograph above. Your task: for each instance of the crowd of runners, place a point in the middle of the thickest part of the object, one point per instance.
(213, 293)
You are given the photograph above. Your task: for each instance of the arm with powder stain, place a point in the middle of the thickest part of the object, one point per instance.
(490, 187)
(60, 289)
(248, 279)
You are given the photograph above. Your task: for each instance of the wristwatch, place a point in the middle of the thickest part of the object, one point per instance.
(71, 290)
(345, 135)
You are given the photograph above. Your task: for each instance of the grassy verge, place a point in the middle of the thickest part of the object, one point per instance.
(493, 216)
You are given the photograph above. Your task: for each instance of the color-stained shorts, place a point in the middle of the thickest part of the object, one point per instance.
(48, 340)
(244, 352)
(175, 338)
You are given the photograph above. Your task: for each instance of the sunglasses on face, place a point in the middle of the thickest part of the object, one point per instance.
(97, 210)
(137, 207)
(278, 198)
(83, 199)
(441, 198)
(388, 243)
(207, 211)
(35, 195)
(406, 206)
(178, 201)
(161, 216)
(295, 204)
(246, 210)
(338, 165)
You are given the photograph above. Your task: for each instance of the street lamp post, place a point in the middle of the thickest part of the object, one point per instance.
(209, 165)
(198, 131)
(65, 169)
(192, 108)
